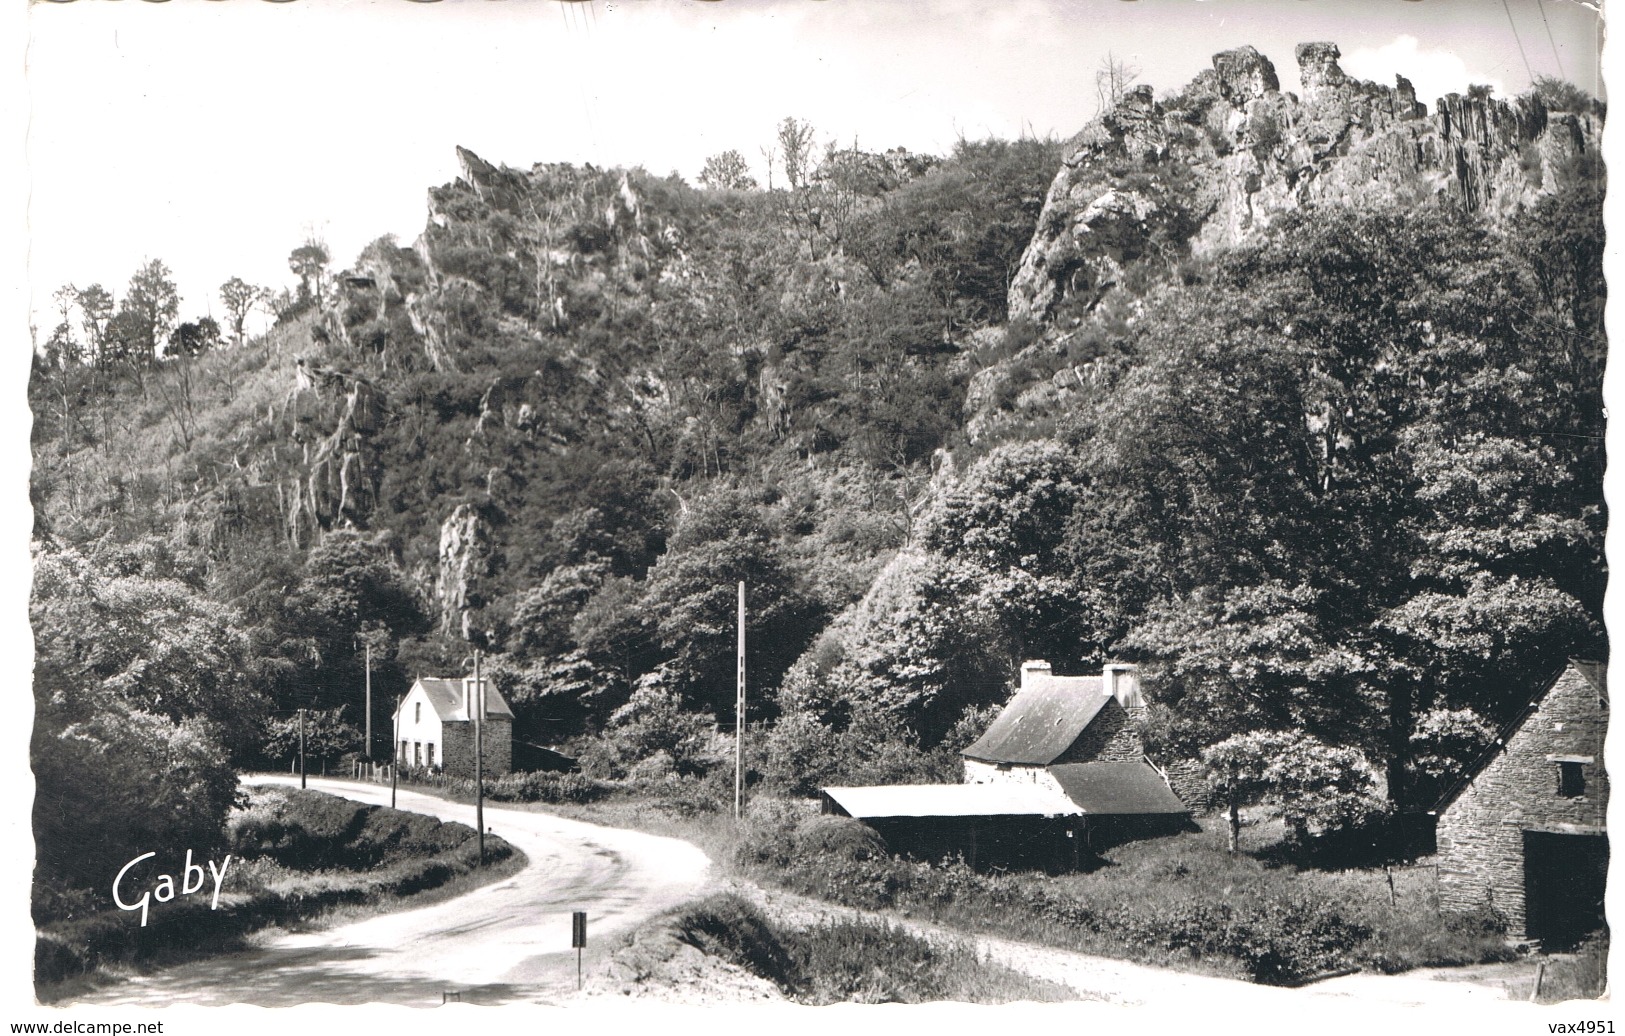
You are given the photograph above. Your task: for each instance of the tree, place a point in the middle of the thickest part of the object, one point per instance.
(1310, 784)
(326, 737)
(125, 630)
(151, 307)
(194, 338)
(727, 171)
(795, 149)
(1112, 80)
(240, 299)
(309, 262)
(692, 594)
(96, 312)
(138, 700)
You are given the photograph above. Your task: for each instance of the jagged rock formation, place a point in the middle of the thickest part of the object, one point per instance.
(1219, 160)
(335, 415)
(464, 562)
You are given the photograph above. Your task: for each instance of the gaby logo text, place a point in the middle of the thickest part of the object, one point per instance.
(164, 890)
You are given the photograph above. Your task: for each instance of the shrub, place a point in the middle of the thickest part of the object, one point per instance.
(372, 851)
(838, 838)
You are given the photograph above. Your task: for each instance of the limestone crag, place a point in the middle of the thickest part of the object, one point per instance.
(1215, 163)
(464, 562)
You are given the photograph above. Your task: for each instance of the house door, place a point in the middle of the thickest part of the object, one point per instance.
(1563, 878)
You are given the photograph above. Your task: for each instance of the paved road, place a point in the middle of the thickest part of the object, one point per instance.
(502, 943)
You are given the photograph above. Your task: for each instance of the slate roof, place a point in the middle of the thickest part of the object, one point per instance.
(1042, 720)
(447, 698)
(952, 800)
(1131, 788)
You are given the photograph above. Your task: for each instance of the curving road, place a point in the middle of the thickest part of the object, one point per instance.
(501, 943)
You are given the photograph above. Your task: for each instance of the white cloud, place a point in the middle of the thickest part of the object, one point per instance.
(1434, 73)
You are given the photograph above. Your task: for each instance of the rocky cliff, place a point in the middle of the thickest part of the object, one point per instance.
(1217, 161)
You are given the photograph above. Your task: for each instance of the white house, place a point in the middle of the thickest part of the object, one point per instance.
(434, 727)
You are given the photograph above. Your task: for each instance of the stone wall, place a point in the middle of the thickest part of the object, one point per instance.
(1112, 736)
(978, 772)
(1480, 833)
(498, 747)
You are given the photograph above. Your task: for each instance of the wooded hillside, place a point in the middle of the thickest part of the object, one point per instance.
(1295, 400)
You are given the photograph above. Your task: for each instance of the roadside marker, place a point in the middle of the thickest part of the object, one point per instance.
(578, 939)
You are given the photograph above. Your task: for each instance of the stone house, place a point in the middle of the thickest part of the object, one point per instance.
(1060, 771)
(1526, 831)
(1079, 736)
(434, 728)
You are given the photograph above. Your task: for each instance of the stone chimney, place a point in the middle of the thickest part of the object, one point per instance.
(1032, 669)
(1122, 681)
(471, 697)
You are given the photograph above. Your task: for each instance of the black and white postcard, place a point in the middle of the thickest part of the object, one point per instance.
(658, 512)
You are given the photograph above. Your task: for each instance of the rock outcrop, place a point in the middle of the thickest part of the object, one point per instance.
(464, 562)
(1218, 161)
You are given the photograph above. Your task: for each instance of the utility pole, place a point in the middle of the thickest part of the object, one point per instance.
(739, 712)
(301, 748)
(394, 753)
(368, 752)
(479, 755)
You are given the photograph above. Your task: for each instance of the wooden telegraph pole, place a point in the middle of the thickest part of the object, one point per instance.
(301, 748)
(394, 753)
(368, 752)
(479, 755)
(739, 712)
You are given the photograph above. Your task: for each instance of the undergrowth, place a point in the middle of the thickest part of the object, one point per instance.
(852, 961)
(296, 855)
(1178, 902)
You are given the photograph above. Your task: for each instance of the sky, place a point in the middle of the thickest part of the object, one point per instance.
(218, 136)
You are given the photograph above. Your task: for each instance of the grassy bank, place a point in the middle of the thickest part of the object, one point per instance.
(298, 858)
(1181, 902)
(851, 961)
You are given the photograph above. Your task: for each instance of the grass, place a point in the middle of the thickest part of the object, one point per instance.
(1582, 975)
(852, 961)
(307, 860)
(1181, 902)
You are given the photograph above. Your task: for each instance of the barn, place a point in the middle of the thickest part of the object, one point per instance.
(434, 728)
(1526, 831)
(1009, 825)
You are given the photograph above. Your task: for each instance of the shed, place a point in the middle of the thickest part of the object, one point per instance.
(1526, 832)
(1011, 824)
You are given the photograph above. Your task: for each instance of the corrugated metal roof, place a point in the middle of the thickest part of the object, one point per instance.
(951, 800)
(447, 698)
(1117, 789)
(1042, 720)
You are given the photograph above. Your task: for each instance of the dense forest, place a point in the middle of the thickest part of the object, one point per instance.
(1293, 400)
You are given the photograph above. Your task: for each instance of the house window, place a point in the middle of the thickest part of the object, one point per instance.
(402, 756)
(1571, 779)
(417, 754)
(430, 755)
(417, 713)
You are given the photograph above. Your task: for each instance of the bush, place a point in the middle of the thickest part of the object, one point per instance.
(839, 838)
(850, 960)
(372, 852)
(1181, 902)
(544, 787)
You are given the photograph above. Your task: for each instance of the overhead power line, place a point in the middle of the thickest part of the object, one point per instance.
(1526, 66)
(1541, 7)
